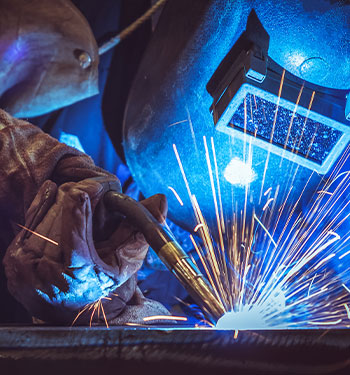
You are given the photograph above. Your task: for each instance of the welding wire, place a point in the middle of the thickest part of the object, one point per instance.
(130, 29)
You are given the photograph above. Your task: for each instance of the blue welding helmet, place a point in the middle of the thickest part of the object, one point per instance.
(244, 98)
(256, 103)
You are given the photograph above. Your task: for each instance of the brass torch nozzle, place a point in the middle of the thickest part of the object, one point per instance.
(170, 252)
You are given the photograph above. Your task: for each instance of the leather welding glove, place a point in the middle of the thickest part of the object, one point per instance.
(54, 267)
(51, 188)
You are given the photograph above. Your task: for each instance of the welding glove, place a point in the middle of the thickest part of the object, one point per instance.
(55, 268)
(86, 253)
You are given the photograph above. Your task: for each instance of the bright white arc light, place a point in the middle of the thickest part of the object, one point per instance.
(251, 317)
(239, 173)
(242, 320)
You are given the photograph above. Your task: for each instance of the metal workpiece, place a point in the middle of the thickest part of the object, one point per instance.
(169, 251)
(161, 350)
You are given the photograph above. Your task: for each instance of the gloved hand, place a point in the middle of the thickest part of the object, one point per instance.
(82, 257)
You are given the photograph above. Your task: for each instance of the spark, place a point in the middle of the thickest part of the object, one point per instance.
(176, 123)
(324, 261)
(218, 185)
(164, 317)
(312, 281)
(191, 129)
(272, 132)
(293, 115)
(266, 231)
(104, 315)
(38, 235)
(176, 195)
(346, 288)
(275, 288)
(324, 192)
(182, 170)
(200, 225)
(305, 121)
(214, 193)
(205, 266)
(96, 306)
(277, 106)
(182, 301)
(267, 191)
(267, 203)
(347, 310)
(344, 255)
(326, 323)
(131, 324)
(275, 266)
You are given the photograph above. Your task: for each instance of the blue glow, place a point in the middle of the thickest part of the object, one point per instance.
(238, 172)
(71, 140)
(43, 295)
(16, 51)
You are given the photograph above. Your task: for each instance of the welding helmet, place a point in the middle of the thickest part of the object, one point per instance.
(237, 103)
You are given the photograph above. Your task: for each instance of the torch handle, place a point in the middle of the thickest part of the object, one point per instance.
(169, 251)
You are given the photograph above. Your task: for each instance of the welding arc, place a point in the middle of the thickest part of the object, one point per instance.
(130, 29)
(169, 251)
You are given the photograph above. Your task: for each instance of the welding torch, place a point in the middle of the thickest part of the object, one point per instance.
(169, 251)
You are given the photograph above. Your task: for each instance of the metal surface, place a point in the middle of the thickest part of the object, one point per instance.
(193, 351)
